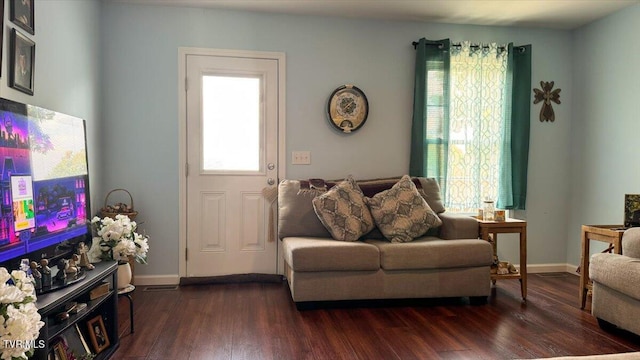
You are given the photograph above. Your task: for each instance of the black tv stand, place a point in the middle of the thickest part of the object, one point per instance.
(51, 304)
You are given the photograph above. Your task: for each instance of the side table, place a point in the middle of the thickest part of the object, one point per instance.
(611, 234)
(516, 226)
(126, 292)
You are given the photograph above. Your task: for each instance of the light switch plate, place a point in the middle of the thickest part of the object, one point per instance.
(301, 157)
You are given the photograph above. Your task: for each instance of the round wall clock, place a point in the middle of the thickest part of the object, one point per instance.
(348, 108)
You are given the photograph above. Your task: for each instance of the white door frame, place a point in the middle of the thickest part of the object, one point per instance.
(182, 135)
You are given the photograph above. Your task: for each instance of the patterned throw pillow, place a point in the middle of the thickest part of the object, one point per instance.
(401, 213)
(343, 211)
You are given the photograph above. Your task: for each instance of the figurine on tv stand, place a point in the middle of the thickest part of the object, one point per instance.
(72, 269)
(84, 258)
(63, 265)
(46, 273)
(37, 276)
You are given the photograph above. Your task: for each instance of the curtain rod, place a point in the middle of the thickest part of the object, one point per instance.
(521, 48)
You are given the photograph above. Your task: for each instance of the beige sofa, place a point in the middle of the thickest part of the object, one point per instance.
(449, 261)
(616, 284)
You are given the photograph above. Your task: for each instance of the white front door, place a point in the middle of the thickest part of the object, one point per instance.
(232, 156)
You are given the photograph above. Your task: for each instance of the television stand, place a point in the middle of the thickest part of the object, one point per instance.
(74, 330)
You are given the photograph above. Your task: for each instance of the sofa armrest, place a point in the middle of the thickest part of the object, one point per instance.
(458, 226)
(618, 272)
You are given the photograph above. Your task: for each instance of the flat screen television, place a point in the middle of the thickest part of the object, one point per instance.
(44, 183)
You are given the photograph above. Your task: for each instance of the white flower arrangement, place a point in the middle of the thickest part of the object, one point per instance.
(117, 239)
(20, 318)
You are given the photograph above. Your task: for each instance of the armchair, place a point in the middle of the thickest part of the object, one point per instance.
(616, 285)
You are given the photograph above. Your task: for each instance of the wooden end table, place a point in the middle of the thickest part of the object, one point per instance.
(493, 228)
(611, 234)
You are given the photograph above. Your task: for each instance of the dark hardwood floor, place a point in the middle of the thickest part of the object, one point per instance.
(259, 321)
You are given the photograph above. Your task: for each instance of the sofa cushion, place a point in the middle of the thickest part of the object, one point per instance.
(433, 253)
(431, 193)
(401, 213)
(296, 216)
(312, 254)
(343, 212)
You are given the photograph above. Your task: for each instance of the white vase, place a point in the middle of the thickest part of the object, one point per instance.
(124, 275)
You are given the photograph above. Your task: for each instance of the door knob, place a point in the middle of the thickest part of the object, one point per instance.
(271, 166)
(270, 181)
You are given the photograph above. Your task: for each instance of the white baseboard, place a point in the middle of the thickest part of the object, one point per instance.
(140, 280)
(532, 269)
(548, 268)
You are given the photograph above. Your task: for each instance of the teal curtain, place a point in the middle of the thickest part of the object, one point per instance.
(430, 126)
(512, 193)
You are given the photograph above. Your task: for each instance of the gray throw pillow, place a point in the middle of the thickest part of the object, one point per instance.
(401, 213)
(343, 211)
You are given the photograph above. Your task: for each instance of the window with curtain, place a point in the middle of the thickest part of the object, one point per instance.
(464, 123)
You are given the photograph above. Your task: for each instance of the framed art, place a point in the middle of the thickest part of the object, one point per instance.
(59, 351)
(348, 108)
(98, 334)
(22, 14)
(22, 59)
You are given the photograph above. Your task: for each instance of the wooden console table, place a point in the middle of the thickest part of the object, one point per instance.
(611, 234)
(517, 226)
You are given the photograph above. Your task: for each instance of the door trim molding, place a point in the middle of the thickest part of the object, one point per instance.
(183, 52)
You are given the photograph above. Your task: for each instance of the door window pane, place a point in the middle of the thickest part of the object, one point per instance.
(231, 126)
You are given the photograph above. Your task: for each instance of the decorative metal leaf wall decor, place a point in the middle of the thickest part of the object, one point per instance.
(546, 96)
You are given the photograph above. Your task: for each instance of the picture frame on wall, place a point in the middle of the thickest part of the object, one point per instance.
(21, 14)
(98, 334)
(22, 59)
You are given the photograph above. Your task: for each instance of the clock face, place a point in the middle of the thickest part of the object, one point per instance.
(348, 108)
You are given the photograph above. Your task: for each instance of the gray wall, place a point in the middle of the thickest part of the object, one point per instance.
(67, 68)
(140, 67)
(604, 151)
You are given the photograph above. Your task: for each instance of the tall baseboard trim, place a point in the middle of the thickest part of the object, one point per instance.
(156, 280)
(532, 269)
(547, 268)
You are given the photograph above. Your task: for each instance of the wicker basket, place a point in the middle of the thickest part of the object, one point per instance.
(111, 211)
